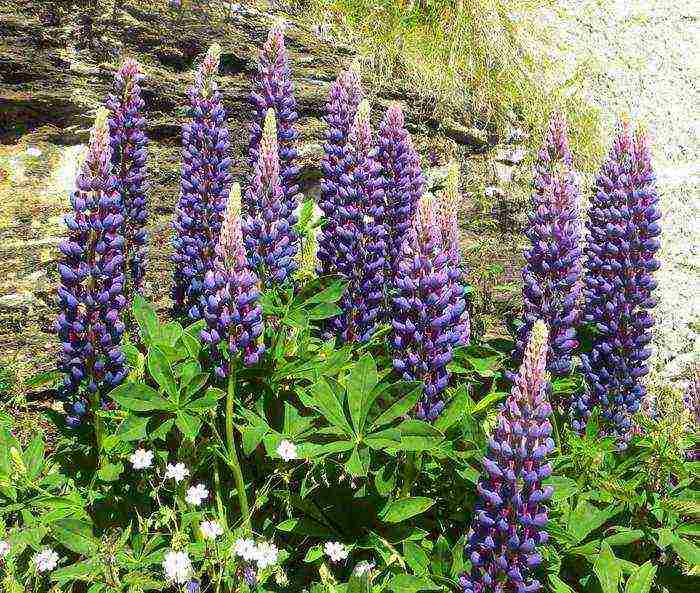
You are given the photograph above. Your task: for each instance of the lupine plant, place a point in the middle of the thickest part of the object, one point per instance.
(424, 310)
(361, 234)
(205, 183)
(270, 235)
(552, 272)
(619, 284)
(511, 515)
(345, 96)
(404, 179)
(91, 298)
(448, 209)
(128, 141)
(273, 89)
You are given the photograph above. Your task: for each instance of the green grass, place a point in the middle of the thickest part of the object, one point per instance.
(483, 61)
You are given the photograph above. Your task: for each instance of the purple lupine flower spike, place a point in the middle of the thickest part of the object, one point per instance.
(128, 140)
(449, 205)
(404, 178)
(273, 89)
(361, 234)
(345, 96)
(620, 262)
(271, 239)
(511, 515)
(230, 303)
(91, 297)
(204, 187)
(423, 319)
(552, 274)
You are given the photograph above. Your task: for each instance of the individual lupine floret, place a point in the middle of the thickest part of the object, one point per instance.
(230, 304)
(128, 140)
(405, 183)
(270, 236)
(620, 262)
(552, 272)
(361, 235)
(510, 515)
(345, 96)
(449, 225)
(205, 183)
(691, 396)
(91, 297)
(423, 310)
(273, 89)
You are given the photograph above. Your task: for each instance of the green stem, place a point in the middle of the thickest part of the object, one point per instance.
(99, 426)
(217, 487)
(232, 452)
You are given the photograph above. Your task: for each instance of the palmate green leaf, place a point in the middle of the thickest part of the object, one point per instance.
(360, 384)
(385, 479)
(323, 311)
(161, 370)
(405, 508)
(252, 437)
(132, 428)
(80, 571)
(564, 487)
(358, 463)
(331, 294)
(146, 317)
(624, 537)
(586, 518)
(642, 579)
(686, 550)
(398, 408)
(416, 558)
(485, 402)
(76, 535)
(208, 401)
(559, 586)
(459, 405)
(110, 472)
(193, 385)
(359, 584)
(188, 424)
(138, 397)
(607, 569)
(307, 527)
(33, 457)
(405, 583)
(313, 553)
(417, 435)
(325, 401)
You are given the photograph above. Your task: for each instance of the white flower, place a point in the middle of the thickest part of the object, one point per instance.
(177, 472)
(141, 459)
(266, 554)
(177, 567)
(33, 151)
(196, 494)
(4, 548)
(46, 560)
(363, 568)
(335, 551)
(211, 529)
(246, 549)
(287, 450)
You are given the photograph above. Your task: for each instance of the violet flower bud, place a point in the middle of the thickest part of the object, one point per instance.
(620, 260)
(552, 274)
(128, 141)
(205, 183)
(273, 89)
(270, 237)
(345, 96)
(230, 303)
(510, 516)
(424, 310)
(90, 295)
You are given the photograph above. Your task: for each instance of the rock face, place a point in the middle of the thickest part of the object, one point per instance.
(57, 62)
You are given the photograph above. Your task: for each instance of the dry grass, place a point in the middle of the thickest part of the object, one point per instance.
(489, 61)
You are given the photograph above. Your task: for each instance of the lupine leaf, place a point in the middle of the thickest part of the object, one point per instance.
(607, 569)
(360, 383)
(405, 508)
(642, 579)
(328, 404)
(398, 408)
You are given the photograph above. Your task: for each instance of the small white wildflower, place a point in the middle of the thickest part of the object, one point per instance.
(46, 560)
(363, 568)
(177, 472)
(266, 554)
(287, 450)
(196, 494)
(33, 151)
(177, 567)
(211, 529)
(335, 551)
(246, 549)
(141, 459)
(4, 548)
